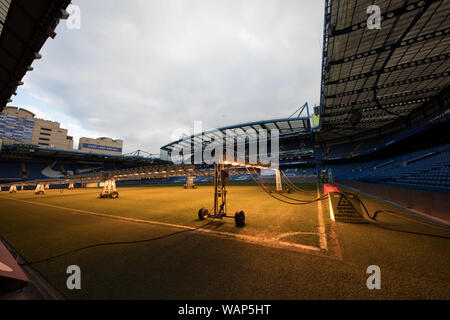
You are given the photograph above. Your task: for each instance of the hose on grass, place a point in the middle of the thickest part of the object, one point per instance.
(283, 195)
(375, 214)
(263, 187)
(289, 182)
(104, 244)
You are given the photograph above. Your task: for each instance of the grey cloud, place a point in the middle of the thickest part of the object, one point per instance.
(138, 70)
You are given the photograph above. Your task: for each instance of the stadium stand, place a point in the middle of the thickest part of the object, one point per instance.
(385, 98)
(427, 169)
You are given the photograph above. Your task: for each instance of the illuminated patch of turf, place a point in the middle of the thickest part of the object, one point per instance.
(265, 216)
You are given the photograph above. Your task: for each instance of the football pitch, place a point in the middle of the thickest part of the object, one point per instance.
(283, 251)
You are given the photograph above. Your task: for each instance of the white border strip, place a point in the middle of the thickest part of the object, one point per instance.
(322, 233)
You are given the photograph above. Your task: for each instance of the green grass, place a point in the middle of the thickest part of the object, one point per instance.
(265, 216)
(195, 265)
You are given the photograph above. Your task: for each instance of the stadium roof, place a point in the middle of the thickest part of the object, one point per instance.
(287, 126)
(34, 153)
(24, 27)
(373, 77)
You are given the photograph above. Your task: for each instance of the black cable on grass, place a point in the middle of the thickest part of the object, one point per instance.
(283, 195)
(288, 202)
(428, 224)
(290, 183)
(411, 232)
(103, 244)
(262, 185)
(374, 216)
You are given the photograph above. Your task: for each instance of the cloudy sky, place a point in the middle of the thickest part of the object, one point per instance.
(145, 70)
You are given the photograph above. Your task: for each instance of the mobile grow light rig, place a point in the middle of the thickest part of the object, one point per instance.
(190, 183)
(221, 179)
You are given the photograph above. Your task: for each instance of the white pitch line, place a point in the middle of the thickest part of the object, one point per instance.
(322, 233)
(288, 234)
(268, 242)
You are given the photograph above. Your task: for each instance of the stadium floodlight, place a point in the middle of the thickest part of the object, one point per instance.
(64, 14)
(9, 100)
(51, 33)
(30, 68)
(37, 56)
(20, 83)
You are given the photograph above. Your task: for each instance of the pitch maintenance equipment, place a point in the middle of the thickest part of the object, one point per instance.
(221, 179)
(109, 189)
(190, 183)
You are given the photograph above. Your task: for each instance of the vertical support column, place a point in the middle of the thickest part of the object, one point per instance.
(279, 186)
(216, 185)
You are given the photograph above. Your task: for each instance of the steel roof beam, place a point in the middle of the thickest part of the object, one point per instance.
(386, 16)
(396, 83)
(411, 64)
(395, 95)
(410, 41)
(365, 101)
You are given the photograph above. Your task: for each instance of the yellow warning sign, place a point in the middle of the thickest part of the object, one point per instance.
(345, 208)
(343, 202)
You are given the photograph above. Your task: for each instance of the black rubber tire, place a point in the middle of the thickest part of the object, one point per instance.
(203, 213)
(239, 218)
(114, 195)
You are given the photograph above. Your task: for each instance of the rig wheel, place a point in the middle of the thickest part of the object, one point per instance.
(114, 195)
(239, 218)
(203, 213)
